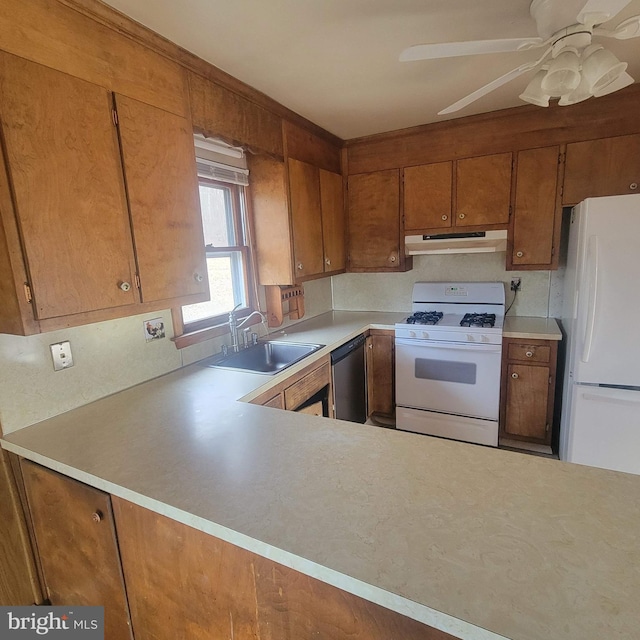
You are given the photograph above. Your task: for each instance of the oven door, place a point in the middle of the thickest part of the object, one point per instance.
(450, 377)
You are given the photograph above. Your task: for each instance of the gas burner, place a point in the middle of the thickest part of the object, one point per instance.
(425, 317)
(478, 320)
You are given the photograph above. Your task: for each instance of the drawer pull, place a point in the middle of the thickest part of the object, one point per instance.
(633, 186)
(461, 216)
(96, 516)
(529, 354)
(519, 254)
(125, 286)
(515, 376)
(300, 266)
(445, 217)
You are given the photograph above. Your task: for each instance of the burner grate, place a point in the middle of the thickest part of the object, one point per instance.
(425, 317)
(478, 320)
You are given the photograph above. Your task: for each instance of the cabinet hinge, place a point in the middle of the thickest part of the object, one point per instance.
(510, 210)
(547, 427)
(27, 292)
(114, 117)
(136, 279)
(553, 251)
(550, 379)
(561, 158)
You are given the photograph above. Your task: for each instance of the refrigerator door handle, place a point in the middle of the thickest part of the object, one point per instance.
(592, 270)
(597, 398)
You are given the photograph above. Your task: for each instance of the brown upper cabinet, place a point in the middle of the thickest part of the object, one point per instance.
(472, 192)
(537, 213)
(298, 210)
(374, 222)
(75, 248)
(604, 167)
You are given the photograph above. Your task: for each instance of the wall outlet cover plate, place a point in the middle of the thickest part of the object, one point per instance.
(61, 354)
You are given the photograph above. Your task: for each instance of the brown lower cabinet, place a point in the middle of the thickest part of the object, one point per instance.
(183, 583)
(77, 545)
(380, 362)
(528, 384)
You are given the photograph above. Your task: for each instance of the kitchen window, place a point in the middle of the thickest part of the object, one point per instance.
(229, 268)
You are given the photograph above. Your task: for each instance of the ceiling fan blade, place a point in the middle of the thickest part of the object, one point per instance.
(471, 47)
(628, 29)
(488, 88)
(599, 11)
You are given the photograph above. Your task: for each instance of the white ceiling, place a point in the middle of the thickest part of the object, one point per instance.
(336, 61)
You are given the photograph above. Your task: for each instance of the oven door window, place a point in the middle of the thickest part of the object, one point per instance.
(445, 370)
(450, 378)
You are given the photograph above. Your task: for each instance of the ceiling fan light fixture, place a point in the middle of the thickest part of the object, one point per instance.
(579, 94)
(622, 81)
(534, 93)
(563, 75)
(601, 68)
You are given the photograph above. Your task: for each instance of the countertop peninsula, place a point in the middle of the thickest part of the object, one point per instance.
(478, 542)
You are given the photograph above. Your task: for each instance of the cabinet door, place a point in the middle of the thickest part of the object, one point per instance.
(374, 220)
(333, 228)
(380, 374)
(162, 185)
(76, 540)
(536, 208)
(306, 217)
(64, 166)
(483, 190)
(527, 402)
(427, 196)
(605, 167)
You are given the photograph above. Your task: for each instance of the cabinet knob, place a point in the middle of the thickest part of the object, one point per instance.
(125, 286)
(300, 266)
(519, 254)
(369, 346)
(96, 516)
(198, 277)
(392, 258)
(633, 186)
(327, 261)
(529, 354)
(515, 376)
(461, 216)
(445, 217)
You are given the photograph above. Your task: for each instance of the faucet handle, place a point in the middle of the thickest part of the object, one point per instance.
(254, 339)
(225, 350)
(245, 336)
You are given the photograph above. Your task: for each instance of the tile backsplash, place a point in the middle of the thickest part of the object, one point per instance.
(540, 295)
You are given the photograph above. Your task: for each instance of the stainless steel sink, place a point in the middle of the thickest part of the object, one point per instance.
(267, 357)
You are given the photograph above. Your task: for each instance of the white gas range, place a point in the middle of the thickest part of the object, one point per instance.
(448, 359)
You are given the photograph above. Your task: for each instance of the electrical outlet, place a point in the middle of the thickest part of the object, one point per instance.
(515, 284)
(61, 354)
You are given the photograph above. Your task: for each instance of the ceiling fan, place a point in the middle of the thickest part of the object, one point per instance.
(572, 67)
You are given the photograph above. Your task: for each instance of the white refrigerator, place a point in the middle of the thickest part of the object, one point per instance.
(600, 424)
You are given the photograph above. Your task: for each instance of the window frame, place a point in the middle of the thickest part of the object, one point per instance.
(213, 326)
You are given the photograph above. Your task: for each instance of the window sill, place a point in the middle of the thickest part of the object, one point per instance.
(208, 333)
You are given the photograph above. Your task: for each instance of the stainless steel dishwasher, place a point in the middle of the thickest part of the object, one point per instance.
(349, 382)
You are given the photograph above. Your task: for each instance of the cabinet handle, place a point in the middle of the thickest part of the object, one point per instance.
(445, 217)
(515, 376)
(529, 354)
(300, 266)
(519, 254)
(327, 261)
(633, 186)
(461, 216)
(125, 286)
(96, 516)
(198, 277)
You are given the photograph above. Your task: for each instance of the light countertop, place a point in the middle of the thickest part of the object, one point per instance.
(531, 328)
(478, 542)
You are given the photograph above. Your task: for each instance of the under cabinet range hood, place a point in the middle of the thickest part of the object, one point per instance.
(467, 242)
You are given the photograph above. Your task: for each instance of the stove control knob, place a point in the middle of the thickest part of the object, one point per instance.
(412, 334)
(425, 335)
(470, 338)
(485, 338)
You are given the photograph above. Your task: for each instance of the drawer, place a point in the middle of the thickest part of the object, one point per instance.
(277, 402)
(302, 390)
(526, 352)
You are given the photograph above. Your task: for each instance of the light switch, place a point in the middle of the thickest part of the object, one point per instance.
(61, 354)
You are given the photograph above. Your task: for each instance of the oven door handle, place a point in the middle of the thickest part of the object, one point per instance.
(457, 346)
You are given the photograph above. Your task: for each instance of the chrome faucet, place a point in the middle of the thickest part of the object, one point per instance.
(234, 325)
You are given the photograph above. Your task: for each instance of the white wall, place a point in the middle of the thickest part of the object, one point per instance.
(540, 295)
(108, 357)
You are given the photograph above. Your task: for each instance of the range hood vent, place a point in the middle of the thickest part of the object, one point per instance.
(470, 242)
